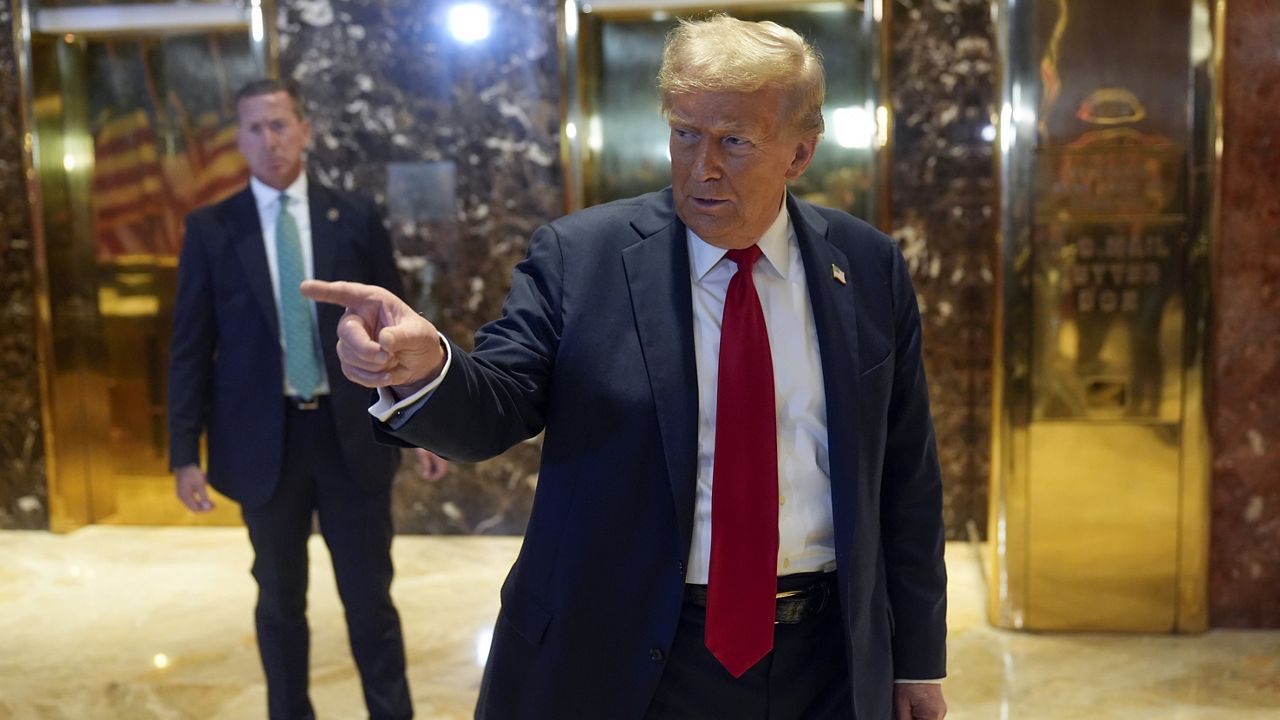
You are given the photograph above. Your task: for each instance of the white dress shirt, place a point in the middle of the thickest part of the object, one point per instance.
(805, 530)
(268, 201)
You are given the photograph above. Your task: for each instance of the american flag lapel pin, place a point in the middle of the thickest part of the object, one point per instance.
(838, 274)
(333, 214)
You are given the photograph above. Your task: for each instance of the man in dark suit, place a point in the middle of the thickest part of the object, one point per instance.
(253, 365)
(738, 513)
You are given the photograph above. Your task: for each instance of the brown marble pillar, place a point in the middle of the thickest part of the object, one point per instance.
(943, 201)
(1244, 581)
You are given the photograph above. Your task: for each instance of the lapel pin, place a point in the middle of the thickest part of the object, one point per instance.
(838, 274)
(333, 214)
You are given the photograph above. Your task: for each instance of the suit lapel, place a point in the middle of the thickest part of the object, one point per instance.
(836, 319)
(657, 267)
(324, 223)
(247, 234)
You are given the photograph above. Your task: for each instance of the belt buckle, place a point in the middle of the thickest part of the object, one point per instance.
(311, 404)
(785, 595)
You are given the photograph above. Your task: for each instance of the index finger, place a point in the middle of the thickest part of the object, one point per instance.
(352, 295)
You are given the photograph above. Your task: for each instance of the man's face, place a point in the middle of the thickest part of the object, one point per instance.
(272, 138)
(731, 158)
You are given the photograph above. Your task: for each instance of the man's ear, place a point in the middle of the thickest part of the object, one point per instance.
(804, 150)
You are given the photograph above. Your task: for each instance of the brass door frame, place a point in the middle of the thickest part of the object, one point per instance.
(70, 435)
(576, 82)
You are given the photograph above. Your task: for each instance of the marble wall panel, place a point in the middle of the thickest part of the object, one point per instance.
(23, 486)
(1245, 425)
(396, 103)
(943, 200)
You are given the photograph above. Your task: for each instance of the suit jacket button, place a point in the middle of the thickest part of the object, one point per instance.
(655, 654)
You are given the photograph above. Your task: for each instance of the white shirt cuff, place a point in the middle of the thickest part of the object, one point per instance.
(397, 412)
(928, 682)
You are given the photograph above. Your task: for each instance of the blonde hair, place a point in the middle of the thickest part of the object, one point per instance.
(724, 54)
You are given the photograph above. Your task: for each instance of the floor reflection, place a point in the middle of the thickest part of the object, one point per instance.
(113, 622)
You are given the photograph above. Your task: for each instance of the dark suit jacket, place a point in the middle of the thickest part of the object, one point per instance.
(226, 372)
(595, 345)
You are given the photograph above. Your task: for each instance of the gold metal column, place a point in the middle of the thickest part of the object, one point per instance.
(1100, 462)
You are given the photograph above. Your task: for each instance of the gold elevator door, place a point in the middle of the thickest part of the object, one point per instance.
(131, 132)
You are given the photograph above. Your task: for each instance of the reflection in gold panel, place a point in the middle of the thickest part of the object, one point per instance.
(1100, 464)
(1109, 251)
(1102, 520)
(131, 130)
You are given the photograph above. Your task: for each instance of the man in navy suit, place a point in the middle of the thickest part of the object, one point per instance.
(253, 366)
(738, 513)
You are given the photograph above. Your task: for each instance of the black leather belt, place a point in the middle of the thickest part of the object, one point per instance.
(792, 606)
(298, 403)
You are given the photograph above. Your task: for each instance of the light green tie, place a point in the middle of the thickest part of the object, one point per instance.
(301, 361)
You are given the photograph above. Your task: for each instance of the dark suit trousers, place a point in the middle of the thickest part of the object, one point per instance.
(805, 677)
(356, 526)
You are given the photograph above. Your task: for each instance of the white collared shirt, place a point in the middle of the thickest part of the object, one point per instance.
(268, 202)
(805, 530)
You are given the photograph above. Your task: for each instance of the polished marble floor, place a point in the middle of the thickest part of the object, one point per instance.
(156, 623)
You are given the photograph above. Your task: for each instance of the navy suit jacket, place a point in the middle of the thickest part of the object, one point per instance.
(595, 346)
(226, 374)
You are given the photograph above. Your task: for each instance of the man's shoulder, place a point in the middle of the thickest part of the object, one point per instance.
(222, 211)
(615, 210)
(613, 220)
(855, 237)
(335, 197)
(842, 225)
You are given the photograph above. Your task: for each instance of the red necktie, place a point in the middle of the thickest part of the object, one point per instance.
(743, 579)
